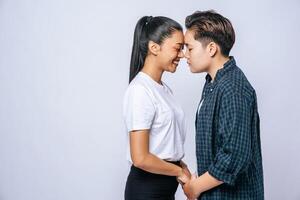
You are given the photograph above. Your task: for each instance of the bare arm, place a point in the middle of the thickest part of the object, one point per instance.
(206, 182)
(196, 186)
(143, 159)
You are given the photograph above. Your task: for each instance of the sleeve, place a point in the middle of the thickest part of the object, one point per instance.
(138, 108)
(234, 154)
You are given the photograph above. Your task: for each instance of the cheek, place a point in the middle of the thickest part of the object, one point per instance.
(162, 57)
(165, 59)
(171, 56)
(198, 60)
(195, 57)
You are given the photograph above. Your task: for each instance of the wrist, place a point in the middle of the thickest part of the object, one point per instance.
(197, 187)
(182, 164)
(179, 172)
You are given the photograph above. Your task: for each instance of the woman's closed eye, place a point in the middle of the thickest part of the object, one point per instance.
(178, 49)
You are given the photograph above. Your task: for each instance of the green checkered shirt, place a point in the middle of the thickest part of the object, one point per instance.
(228, 136)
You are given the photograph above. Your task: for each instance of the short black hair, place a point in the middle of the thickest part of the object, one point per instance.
(210, 26)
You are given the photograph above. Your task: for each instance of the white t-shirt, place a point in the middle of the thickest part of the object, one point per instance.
(150, 105)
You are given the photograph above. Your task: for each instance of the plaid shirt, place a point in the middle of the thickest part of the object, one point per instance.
(228, 136)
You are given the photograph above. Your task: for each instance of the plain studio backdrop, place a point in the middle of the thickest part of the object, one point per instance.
(64, 68)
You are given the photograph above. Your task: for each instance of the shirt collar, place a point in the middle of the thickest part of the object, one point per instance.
(220, 73)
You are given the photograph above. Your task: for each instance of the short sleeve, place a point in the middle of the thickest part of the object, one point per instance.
(138, 108)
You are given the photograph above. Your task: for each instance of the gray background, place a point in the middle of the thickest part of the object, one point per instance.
(63, 72)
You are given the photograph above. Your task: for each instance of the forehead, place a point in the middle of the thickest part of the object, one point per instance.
(176, 37)
(189, 36)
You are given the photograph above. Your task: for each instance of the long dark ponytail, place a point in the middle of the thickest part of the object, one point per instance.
(156, 29)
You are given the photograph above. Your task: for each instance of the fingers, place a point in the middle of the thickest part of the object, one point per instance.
(183, 179)
(187, 172)
(180, 182)
(194, 176)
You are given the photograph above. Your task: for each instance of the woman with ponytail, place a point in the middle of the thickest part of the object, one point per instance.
(154, 121)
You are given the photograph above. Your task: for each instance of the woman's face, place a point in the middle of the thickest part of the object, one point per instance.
(171, 51)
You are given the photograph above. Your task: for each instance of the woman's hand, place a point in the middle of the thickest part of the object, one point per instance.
(184, 176)
(185, 169)
(190, 188)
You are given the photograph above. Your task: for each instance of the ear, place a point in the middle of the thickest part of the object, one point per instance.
(212, 49)
(153, 48)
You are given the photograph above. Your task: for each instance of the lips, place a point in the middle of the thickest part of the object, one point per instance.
(176, 62)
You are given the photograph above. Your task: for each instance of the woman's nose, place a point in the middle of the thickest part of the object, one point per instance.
(181, 54)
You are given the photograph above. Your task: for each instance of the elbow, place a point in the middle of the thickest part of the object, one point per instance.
(139, 161)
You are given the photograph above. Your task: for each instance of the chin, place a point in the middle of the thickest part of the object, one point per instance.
(172, 69)
(193, 70)
(196, 70)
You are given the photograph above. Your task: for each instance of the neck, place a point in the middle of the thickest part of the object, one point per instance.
(152, 69)
(217, 63)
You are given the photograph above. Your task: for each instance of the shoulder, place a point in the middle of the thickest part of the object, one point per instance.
(235, 83)
(138, 85)
(138, 92)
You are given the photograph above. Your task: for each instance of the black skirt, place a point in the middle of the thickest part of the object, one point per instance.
(143, 185)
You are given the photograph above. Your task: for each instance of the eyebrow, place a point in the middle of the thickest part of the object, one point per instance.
(181, 45)
(187, 44)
